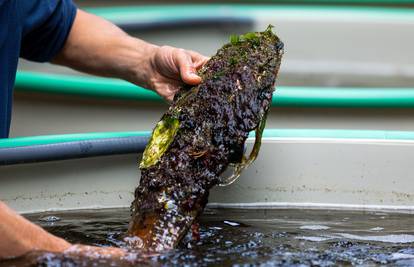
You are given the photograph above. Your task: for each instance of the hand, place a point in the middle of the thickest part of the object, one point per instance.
(93, 252)
(172, 67)
(111, 256)
(82, 255)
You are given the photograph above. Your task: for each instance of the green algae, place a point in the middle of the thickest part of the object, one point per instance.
(161, 138)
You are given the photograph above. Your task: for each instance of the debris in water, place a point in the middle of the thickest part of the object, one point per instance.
(49, 219)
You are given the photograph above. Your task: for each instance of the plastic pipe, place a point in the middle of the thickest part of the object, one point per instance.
(70, 146)
(72, 150)
(284, 96)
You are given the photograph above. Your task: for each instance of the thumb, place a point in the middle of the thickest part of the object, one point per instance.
(187, 68)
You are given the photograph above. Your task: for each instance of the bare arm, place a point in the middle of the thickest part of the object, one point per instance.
(19, 236)
(99, 47)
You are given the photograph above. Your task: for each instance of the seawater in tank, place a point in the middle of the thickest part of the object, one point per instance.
(245, 237)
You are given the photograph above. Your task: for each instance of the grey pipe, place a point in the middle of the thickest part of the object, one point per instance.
(221, 23)
(72, 150)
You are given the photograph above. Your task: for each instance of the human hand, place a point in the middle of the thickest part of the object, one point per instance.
(112, 256)
(173, 67)
(94, 252)
(81, 255)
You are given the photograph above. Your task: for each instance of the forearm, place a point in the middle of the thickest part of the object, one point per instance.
(19, 236)
(98, 47)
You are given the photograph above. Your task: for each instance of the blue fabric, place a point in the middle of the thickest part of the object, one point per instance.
(32, 29)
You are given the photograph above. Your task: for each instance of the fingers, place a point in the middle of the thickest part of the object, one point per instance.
(94, 252)
(187, 67)
(173, 67)
(198, 59)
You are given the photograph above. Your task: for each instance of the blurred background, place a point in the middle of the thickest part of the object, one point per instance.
(329, 45)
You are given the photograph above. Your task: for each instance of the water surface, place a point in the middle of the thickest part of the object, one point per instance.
(234, 237)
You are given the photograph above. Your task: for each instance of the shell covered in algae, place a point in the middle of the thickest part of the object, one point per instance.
(201, 134)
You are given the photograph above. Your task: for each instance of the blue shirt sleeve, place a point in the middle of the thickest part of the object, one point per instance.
(46, 26)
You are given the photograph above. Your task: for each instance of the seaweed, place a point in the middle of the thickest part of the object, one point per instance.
(203, 133)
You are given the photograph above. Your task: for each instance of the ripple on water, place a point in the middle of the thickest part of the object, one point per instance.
(404, 238)
(376, 229)
(314, 227)
(401, 256)
(314, 238)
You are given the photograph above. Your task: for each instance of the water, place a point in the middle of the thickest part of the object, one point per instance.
(278, 237)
